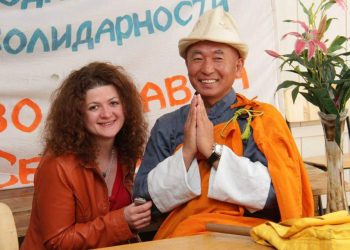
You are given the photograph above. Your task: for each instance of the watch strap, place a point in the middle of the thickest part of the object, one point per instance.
(214, 156)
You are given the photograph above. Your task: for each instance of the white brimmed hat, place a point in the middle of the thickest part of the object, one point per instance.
(218, 26)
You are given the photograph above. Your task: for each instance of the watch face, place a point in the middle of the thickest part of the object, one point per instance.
(218, 149)
(216, 154)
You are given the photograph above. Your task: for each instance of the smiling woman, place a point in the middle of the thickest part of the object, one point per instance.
(103, 112)
(94, 135)
(104, 118)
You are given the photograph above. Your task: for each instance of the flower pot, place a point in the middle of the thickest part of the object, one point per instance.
(336, 195)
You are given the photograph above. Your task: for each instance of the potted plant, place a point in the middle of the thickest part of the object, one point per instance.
(324, 80)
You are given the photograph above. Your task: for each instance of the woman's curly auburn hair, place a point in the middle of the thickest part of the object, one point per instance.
(65, 130)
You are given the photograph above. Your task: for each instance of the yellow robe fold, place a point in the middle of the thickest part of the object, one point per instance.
(330, 231)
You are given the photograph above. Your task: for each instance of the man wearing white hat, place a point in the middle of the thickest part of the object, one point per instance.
(223, 158)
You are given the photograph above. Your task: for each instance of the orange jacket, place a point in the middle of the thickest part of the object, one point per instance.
(286, 168)
(71, 208)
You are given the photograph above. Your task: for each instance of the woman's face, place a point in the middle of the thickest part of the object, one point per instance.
(103, 112)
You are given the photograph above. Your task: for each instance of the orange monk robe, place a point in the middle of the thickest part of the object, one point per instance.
(286, 168)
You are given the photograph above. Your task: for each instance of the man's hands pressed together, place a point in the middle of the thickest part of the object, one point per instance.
(198, 132)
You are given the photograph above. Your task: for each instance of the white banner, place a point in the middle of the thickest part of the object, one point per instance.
(42, 41)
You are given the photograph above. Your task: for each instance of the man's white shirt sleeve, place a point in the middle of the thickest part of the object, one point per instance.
(240, 181)
(170, 185)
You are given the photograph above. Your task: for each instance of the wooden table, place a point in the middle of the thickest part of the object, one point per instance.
(318, 181)
(321, 161)
(209, 241)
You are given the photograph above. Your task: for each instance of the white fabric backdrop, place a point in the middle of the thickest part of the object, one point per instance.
(33, 62)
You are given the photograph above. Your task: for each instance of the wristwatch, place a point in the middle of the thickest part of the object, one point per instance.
(215, 155)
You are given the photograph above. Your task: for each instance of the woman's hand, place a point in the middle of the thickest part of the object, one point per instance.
(138, 216)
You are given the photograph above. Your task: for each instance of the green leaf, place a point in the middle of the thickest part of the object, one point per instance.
(345, 73)
(326, 102)
(328, 73)
(298, 72)
(287, 84)
(344, 100)
(306, 11)
(342, 87)
(336, 43)
(343, 90)
(343, 54)
(337, 130)
(328, 5)
(295, 93)
(310, 98)
(328, 23)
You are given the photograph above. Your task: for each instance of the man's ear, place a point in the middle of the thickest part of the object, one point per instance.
(239, 67)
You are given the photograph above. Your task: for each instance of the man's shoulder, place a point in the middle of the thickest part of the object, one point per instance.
(175, 116)
(259, 105)
(267, 106)
(268, 109)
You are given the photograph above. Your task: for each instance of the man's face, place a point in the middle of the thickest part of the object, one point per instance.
(212, 68)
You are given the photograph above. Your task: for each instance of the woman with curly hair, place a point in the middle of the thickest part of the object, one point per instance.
(94, 134)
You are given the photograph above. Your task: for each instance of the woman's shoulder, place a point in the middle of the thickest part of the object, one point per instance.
(51, 162)
(55, 171)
